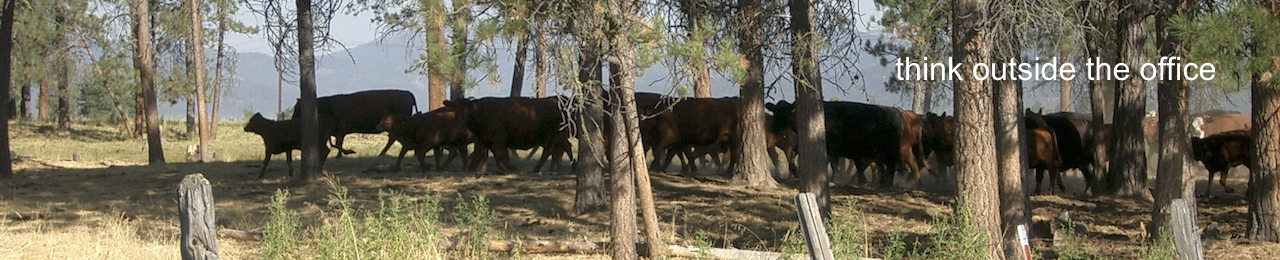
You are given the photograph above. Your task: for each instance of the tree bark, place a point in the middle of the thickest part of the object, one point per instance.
(517, 73)
(540, 60)
(976, 167)
(196, 215)
(1100, 48)
(311, 155)
(437, 49)
(139, 115)
(64, 94)
(622, 195)
(24, 104)
(143, 55)
(42, 99)
(1064, 91)
(753, 165)
(189, 101)
(701, 70)
(1015, 208)
(1173, 177)
(590, 194)
(811, 128)
(197, 47)
(6, 84)
(1128, 170)
(1264, 196)
(217, 76)
(458, 79)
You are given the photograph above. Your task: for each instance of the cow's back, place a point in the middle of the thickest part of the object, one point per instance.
(857, 130)
(516, 122)
(1226, 123)
(360, 112)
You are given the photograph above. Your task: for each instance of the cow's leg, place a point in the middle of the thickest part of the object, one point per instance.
(1039, 178)
(462, 154)
(266, 160)
(478, 157)
(1056, 177)
(546, 153)
(337, 143)
(390, 141)
(1088, 179)
(1222, 179)
(438, 153)
(288, 160)
(860, 166)
(728, 159)
(421, 154)
(502, 155)
(1209, 185)
(399, 159)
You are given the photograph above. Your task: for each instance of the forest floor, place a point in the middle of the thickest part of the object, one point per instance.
(109, 204)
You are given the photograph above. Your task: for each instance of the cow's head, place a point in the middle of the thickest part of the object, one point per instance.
(256, 123)
(389, 121)
(784, 116)
(1199, 148)
(940, 134)
(461, 107)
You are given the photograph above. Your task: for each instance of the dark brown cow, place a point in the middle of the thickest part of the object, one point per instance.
(784, 141)
(938, 138)
(1220, 153)
(500, 124)
(435, 130)
(1075, 138)
(361, 112)
(1043, 153)
(281, 137)
(690, 122)
(861, 132)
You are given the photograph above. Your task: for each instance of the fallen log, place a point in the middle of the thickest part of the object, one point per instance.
(24, 216)
(527, 246)
(239, 234)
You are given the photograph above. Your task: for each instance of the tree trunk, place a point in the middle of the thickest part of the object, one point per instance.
(139, 115)
(42, 99)
(142, 58)
(189, 101)
(622, 194)
(517, 73)
(701, 70)
(928, 97)
(1173, 177)
(917, 96)
(124, 117)
(540, 60)
(197, 48)
(1015, 208)
(1128, 171)
(64, 95)
(1064, 91)
(976, 167)
(1098, 46)
(590, 194)
(1264, 196)
(458, 80)
(753, 165)
(811, 128)
(311, 151)
(217, 76)
(24, 104)
(6, 70)
(197, 218)
(437, 49)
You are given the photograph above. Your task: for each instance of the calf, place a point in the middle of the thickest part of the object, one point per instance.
(435, 130)
(282, 137)
(938, 138)
(1220, 153)
(1043, 154)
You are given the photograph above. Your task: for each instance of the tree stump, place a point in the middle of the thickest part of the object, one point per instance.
(195, 213)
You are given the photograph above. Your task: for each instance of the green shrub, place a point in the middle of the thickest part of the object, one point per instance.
(1162, 249)
(847, 238)
(280, 239)
(958, 237)
(476, 218)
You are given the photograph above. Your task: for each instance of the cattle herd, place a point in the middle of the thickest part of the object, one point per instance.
(893, 139)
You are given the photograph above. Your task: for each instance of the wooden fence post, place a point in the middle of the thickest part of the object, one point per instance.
(195, 213)
(815, 232)
(1185, 238)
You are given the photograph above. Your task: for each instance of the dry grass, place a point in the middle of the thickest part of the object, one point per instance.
(111, 206)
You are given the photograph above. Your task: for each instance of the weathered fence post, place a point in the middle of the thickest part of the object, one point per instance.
(815, 233)
(195, 213)
(1185, 238)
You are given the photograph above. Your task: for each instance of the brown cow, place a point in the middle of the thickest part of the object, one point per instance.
(282, 137)
(1212, 125)
(435, 130)
(688, 123)
(514, 123)
(784, 141)
(1043, 154)
(361, 112)
(938, 138)
(864, 133)
(1220, 153)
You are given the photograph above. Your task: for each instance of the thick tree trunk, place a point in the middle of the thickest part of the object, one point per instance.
(622, 194)
(1128, 170)
(811, 128)
(917, 96)
(976, 167)
(1264, 196)
(1064, 91)
(311, 156)
(197, 48)
(753, 165)
(517, 74)
(6, 84)
(1173, 177)
(1015, 208)
(1101, 48)
(437, 52)
(142, 58)
(139, 115)
(590, 194)
(540, 60)
(189, 101)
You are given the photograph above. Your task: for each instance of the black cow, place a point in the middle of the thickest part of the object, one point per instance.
(861, 132)
(500, 124)
(361, 112)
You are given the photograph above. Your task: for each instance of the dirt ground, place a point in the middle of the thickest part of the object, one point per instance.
(116, 208)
